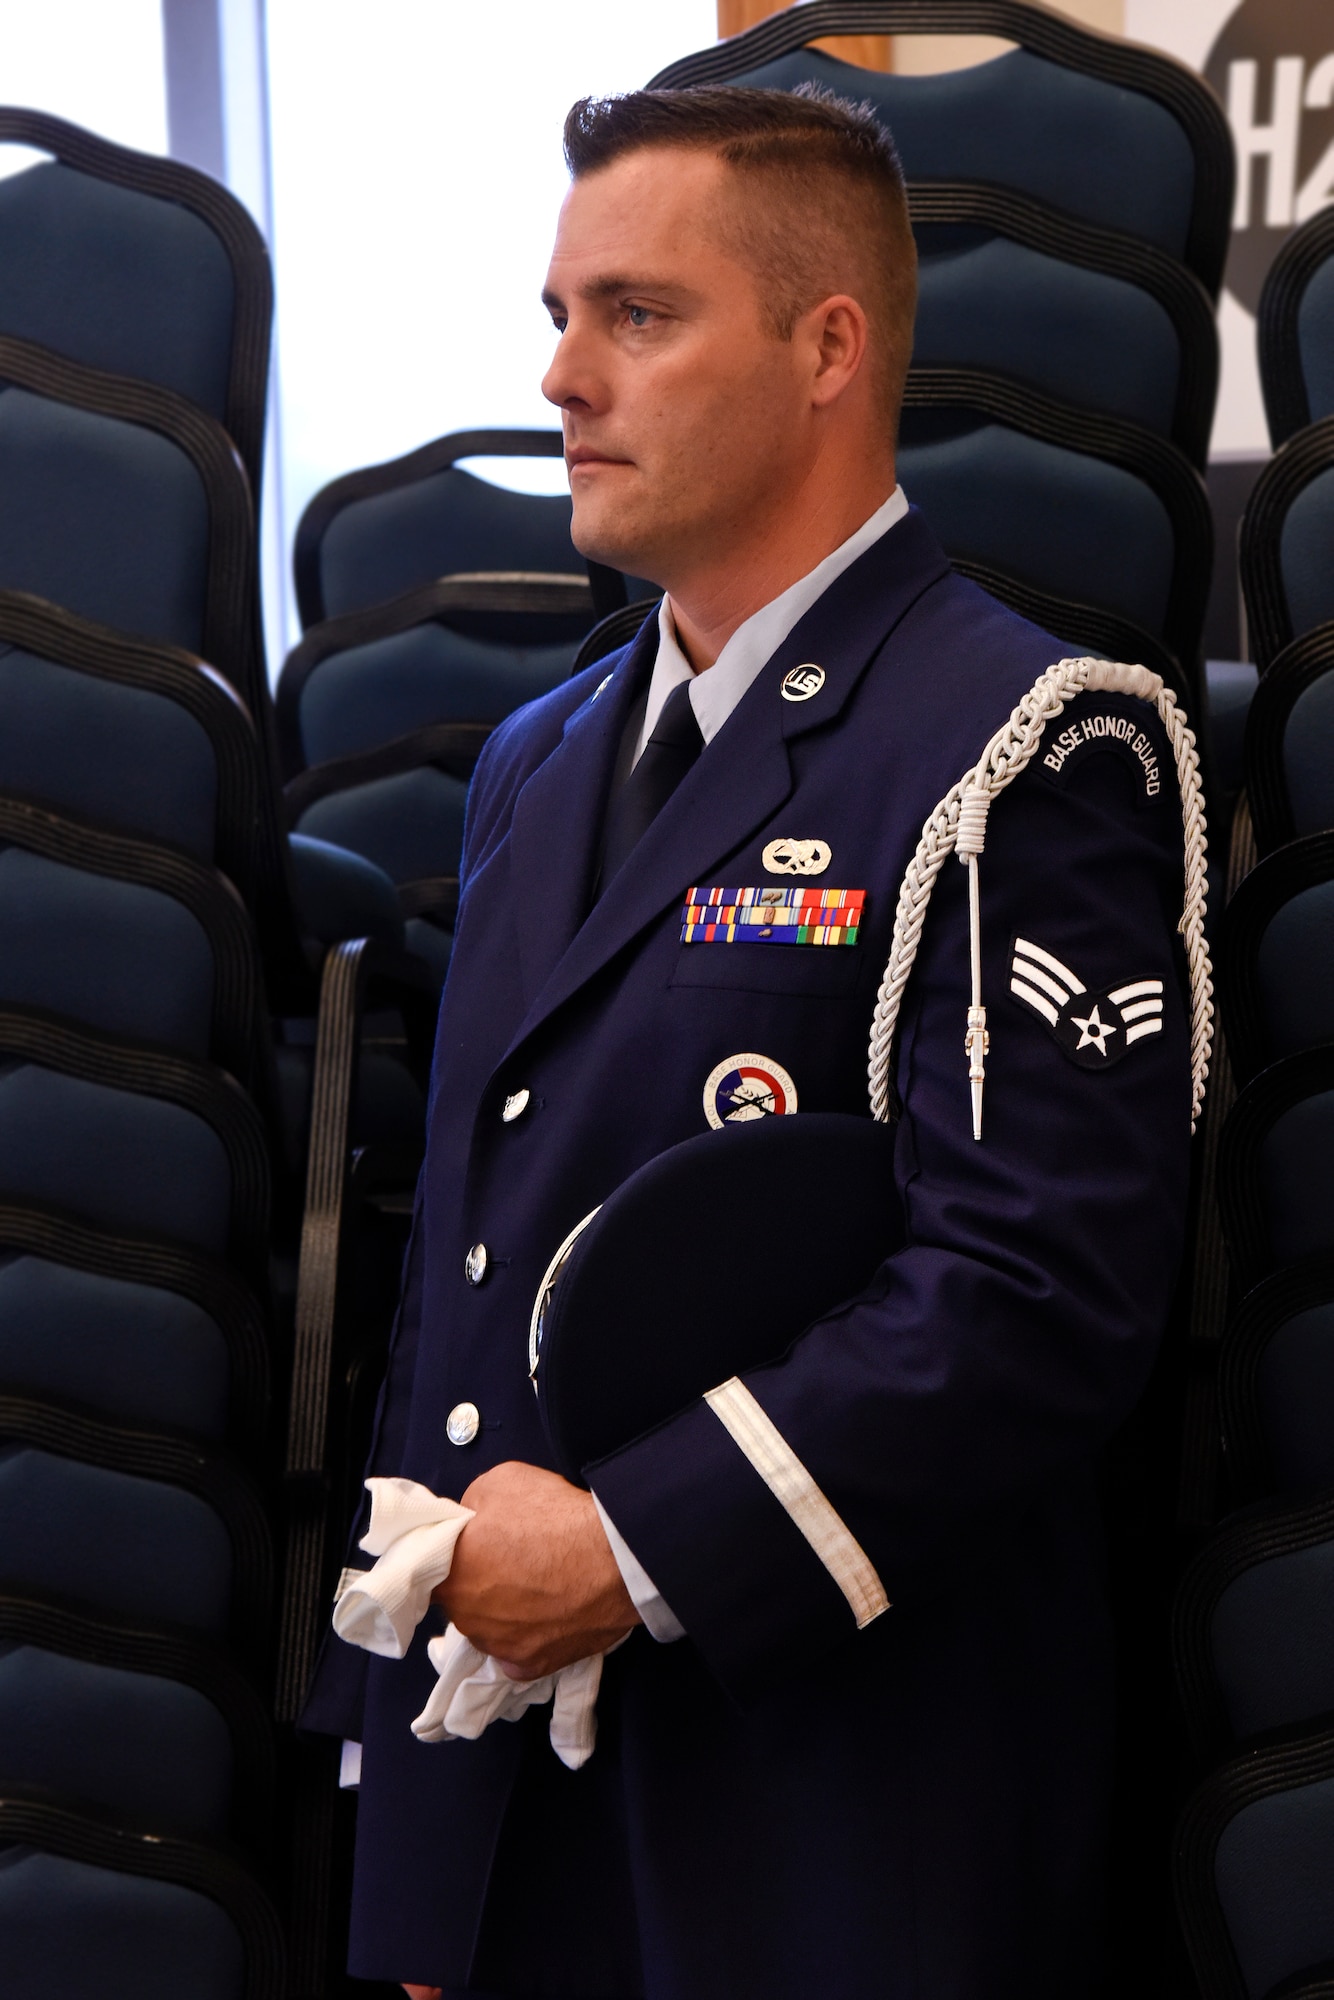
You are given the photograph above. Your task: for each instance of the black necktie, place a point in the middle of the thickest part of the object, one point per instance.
(669, 753)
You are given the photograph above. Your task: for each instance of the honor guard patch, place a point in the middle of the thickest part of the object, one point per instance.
(743, 1088)
(768, 915)
(1122, 735)
(1093, 1029)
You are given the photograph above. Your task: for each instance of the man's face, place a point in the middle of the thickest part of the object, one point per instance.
(683, 416)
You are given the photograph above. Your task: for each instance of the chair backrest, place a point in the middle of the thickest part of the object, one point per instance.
(215, 1775)
(123, 503)
(140, 737)
(1276, 956)
(1295, 329)
(1276, 1167)
(126, 936)
(1290, 742)
(133, 1138)
(134, 1352)
(154, 1914)
(371, 678)
(388, 529)
(1253, 1624)
(170, 1336)
(1253, 1859)
(72, 1529)
(1116, 135)
(1276, 1384)
(1055, 291)
(140, 266)
(1075, 526)
(1287, 532)
(1082, 336)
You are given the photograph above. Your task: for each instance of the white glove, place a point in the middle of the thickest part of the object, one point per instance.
(473, 1691)
(413, 1532)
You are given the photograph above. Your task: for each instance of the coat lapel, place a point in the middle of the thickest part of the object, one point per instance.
(558, 817)
(738, 784)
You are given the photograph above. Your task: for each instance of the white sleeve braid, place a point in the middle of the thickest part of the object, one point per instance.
(958, 824)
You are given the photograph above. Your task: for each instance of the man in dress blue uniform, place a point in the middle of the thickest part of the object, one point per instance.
(856, 1741)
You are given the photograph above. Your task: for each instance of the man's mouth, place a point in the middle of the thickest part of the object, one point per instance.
(588, 455)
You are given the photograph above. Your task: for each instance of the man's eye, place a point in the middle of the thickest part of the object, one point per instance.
(639, 315)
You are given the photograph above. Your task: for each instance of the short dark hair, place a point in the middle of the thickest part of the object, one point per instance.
(833, 180)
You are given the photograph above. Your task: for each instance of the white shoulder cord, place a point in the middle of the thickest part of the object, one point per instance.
(958, 825)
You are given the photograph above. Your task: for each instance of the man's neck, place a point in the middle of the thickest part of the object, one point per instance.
(712, 601)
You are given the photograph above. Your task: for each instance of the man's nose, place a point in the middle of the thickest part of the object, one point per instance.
(572, 379)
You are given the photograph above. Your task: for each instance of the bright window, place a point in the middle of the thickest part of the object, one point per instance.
(95, 62)
(417, 173)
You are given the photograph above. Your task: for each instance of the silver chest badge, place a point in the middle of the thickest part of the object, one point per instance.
(746, 1087)
(797, 857)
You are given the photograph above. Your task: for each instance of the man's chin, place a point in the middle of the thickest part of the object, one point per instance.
(611, 541)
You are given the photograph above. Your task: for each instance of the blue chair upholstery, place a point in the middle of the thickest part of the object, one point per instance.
(375, 534)
(133, 1743)
(1276, 1167)
(382, 714)
(361, 696)
(131, 1351)
(113, 1157)
(1081, 336)
(1289, 749)
(1286, 534)
(138, 737)
(1304, 548)
(143, 968)
(138, 266)
(1254, 1857)
(1276, 1385)
(1253, 1624)
(1295, 328)
(112, 1541)
(106, 518)
(70, 1927)
(1069, 524)
(1276, 956)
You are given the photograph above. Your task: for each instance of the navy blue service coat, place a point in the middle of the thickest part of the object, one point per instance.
(781, 1805)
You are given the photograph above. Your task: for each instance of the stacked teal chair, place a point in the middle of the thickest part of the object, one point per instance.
(1252, 1638)
(147, 924)
(435, 602)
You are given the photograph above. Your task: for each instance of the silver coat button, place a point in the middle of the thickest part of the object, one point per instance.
(474, 1264)
(515, 1105)
(463, 1423)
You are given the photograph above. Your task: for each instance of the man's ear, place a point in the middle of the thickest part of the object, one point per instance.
(836, 335)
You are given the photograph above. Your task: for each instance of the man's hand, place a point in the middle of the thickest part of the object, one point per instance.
(534, 1582)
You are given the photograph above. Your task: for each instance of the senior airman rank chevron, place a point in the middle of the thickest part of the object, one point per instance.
(1094, 1029)
(769, 915)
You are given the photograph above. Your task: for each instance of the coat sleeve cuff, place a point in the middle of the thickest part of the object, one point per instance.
(659, 1619)
(749, 1585)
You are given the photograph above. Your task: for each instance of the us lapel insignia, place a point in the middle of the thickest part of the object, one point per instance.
(746, 1087)
(800, 683)
(770, 915)
(1094, 1030)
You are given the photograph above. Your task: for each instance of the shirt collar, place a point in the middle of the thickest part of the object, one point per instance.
(716, 692)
